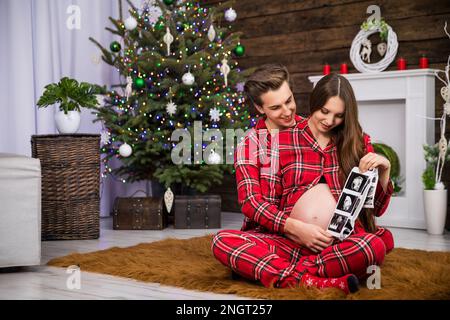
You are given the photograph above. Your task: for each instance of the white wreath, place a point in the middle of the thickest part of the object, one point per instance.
(391, 52)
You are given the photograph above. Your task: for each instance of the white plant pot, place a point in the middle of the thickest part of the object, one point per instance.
(435, 204)
(67, 123)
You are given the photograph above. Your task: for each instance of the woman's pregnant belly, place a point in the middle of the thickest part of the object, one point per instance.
(315, 206)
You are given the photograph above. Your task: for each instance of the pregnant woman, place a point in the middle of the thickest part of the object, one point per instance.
(283, 242)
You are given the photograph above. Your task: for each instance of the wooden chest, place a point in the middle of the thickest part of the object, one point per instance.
(139, 213)
(197, 212)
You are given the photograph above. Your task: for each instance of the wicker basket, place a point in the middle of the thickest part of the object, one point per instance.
(70, 165)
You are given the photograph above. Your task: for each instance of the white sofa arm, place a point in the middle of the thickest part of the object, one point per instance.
(20, 210)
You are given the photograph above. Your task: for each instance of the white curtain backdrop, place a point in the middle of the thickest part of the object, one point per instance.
(37, 47)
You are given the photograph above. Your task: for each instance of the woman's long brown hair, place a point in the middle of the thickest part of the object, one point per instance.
(348, 136)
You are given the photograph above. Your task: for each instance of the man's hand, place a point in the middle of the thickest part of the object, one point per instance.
(309, 235)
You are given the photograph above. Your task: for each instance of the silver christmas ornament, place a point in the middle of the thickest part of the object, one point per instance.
(214, 158)
(125, 150)
(188, 79)
(230, 15)
(130, 23)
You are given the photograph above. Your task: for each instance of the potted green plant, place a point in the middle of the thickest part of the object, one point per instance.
(71, 97)
(435, 193)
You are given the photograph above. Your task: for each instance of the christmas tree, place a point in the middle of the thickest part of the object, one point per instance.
(177, 63)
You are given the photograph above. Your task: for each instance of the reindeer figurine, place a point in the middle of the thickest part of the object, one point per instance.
(366, 50)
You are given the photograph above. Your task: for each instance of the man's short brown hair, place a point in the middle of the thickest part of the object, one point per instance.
(265, 78)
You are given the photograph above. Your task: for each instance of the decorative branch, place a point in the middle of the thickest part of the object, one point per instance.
(445, 29)
(443, 143)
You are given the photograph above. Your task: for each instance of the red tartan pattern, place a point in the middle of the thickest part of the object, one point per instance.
(277, 261)
(268, 190)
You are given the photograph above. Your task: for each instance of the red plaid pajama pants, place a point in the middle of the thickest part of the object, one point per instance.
(275, 260)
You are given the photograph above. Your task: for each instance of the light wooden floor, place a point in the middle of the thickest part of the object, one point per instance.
(42, 282)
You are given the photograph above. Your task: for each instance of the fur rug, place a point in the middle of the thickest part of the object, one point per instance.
(405, 274)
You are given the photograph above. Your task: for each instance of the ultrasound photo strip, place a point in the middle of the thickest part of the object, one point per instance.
(359, 190)
(370, 200)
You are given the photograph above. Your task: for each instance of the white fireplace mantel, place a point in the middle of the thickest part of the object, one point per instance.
(392, 109)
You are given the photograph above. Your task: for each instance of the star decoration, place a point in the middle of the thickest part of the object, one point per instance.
(171, 108)
(153, 14)
(240, 86)
(105, 137)
(214, 113)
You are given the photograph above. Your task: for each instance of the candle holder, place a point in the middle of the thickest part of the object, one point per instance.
(423, 62)
(401, 64)
(344, 68)
(326, 69)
